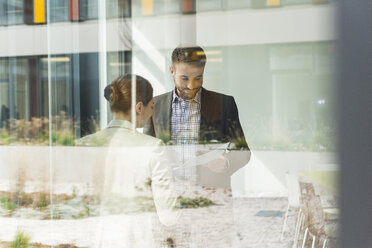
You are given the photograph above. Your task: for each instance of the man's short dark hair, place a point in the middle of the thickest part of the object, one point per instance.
(193, 55)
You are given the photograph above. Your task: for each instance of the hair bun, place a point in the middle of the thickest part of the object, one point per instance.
(108, 92)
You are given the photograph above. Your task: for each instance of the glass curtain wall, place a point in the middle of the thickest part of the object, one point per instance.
(243, 124)
(14, 10)
(283, 85)
(58, 11)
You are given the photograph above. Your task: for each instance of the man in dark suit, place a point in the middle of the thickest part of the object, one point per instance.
(190, 114)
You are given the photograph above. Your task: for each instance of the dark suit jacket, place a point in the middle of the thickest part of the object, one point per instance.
(219, 119)
(219, 122)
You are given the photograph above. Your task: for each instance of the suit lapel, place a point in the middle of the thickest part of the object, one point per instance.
(210, 115)
(204, 109)
(210, 111)
(163, 107)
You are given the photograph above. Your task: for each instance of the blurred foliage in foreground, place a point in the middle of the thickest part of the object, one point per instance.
(36, 131)
(261, 135)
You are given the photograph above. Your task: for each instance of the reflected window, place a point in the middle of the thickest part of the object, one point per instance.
(3, 19)
(163, 7)
(4, 91)
(81, 10)
(19, 77)
(118, 63)
(14, 102)
(60, 85)
(14, 12)
(58, 11)
(209, 5)
(118, 8)
(91, 7)
(302, 98)
(86, 97)
(265, 3)
(296, 2)
(238, 4)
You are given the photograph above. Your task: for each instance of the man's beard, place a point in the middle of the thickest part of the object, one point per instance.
(188, 94)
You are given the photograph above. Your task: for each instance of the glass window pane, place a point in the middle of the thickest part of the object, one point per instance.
(59, 11)
(4, 91)
(296, 2)
(20, 77)
(208, 5)
(14, 12)
(265, 3)
(60, 85)
(3, 16)
(92, 9)
(163, 7)
(118, 8)
(237, 4)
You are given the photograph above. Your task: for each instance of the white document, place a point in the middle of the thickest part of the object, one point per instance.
(204, 158)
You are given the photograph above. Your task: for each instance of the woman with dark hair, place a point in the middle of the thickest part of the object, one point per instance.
(137, 174)
(119, 95)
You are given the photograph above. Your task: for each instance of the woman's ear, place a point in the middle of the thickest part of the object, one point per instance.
(139, 108)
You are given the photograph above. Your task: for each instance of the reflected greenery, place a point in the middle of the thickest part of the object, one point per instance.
(36, 131)
(197, 202)
(38, 205)
(7, 203)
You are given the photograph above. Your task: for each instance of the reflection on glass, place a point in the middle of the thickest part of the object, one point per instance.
(296, 2)
(4, 91)
(118, 8)
(20, 78)
(58, 10)
(206, 5)
(118, 63)
(91, 7)
(238, 4)
(283, 85)
(265, 4)
(60, 98)
(14, 82)
(3, 19)
(14, 12)
(163, 7)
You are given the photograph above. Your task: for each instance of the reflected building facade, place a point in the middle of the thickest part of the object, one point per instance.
(254, 47)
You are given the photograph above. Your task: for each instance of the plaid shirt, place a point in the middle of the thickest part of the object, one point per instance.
(185, 125)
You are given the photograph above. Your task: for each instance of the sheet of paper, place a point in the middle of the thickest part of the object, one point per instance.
(205, 158)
